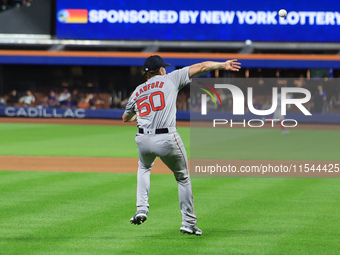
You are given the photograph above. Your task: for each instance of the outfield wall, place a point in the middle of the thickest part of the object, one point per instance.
(78, 113)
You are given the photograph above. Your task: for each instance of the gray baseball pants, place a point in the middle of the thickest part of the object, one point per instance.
(170, 148)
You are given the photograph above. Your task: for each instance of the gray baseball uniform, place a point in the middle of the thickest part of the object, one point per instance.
(154, 102)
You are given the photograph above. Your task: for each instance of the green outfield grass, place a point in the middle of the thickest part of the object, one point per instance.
(264, 143)
(71, 140)
(88, 213)
(118, 141)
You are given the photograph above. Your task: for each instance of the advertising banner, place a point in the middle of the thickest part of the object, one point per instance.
(306, 21)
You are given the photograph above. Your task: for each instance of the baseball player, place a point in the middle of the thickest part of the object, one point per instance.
(153, 104)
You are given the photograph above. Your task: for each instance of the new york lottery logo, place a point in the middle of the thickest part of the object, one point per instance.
(73, 16)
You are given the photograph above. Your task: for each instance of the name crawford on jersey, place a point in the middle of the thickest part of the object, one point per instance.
(148, 87)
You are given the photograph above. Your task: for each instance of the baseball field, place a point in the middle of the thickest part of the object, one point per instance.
(69, 188)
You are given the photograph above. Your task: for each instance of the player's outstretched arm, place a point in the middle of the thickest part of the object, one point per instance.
(229, 65)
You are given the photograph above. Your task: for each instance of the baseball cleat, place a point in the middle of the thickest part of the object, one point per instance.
(139, 217)
(194, 230)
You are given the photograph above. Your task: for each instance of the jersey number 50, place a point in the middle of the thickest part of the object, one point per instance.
(156, 103)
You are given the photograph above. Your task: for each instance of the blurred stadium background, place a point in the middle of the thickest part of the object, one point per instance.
(93, 61)
(62, 59)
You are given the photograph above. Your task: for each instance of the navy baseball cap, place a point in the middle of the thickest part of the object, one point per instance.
(153, 63)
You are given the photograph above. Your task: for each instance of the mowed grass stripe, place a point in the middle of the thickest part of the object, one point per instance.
(35, 197)
(118, 141)
(260, 215)
(123, 238)
(267, 144)
(68, 140)
(60, 216)
(255, 214)
(75, 213)
(317, 223)
(88, 213)
(8, 178)
(54, 191)
(233, 206)
(71, 140)
(20, 181)
(153, 237)
(166, 218)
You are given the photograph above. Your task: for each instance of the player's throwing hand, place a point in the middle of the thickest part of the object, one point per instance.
(232, 65)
